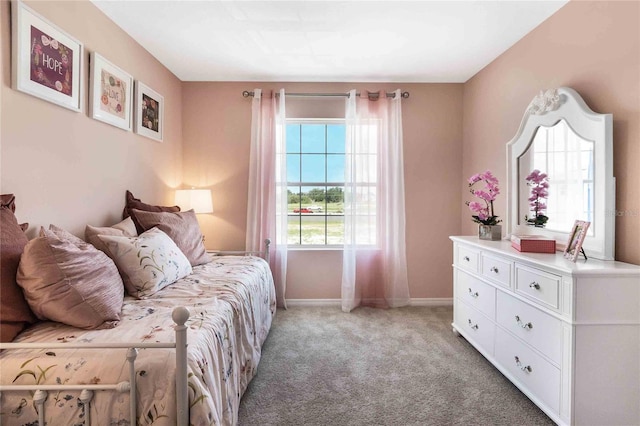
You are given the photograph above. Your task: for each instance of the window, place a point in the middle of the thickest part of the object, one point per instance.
(315, 182)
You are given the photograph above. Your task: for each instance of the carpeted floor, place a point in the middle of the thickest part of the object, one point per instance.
(321, 366)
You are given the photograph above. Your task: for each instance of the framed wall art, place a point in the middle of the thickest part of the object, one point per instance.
(576, 238)
(110, 93)
(149, 112)
(47, 62)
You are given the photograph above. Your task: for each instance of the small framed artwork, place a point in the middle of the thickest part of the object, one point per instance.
(576, 238)
(149, 112)
(47, 62)
(111, 91)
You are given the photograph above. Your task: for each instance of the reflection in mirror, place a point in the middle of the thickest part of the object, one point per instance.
(567, 159)
(561, 136)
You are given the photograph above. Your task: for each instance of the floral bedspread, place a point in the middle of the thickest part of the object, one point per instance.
(232, 303)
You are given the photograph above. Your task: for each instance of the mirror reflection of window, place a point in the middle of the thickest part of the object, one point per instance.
(568, 160)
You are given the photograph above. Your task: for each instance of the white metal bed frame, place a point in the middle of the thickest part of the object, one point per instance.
(180, 315)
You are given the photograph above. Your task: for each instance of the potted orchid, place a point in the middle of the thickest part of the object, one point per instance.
(484, 215)
(539, 183)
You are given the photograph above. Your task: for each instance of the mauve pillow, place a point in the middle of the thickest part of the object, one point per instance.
(132, 202)
(182, 227)
(147, 263)
(15, 314)
(66, 236)
(67, 280)
(9, 201)
(126, 228)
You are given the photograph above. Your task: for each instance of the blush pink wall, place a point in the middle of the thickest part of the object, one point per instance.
(69, 169)
(66, 168)
(216, 122)
(590, 46)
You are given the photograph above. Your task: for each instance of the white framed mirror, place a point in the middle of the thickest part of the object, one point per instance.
(563, 138)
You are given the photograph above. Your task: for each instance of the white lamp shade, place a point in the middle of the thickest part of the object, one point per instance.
(197, 199)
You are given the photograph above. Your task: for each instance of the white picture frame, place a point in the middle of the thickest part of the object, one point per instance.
(110, 93)
(46, 61)
(149, 117)
(576, 239)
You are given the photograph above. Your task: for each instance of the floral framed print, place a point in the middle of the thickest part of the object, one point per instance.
(576, 238)
(149, 112)
(110, 94)
(47, 62)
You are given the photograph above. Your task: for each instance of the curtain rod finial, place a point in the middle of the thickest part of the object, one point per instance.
(246, 94)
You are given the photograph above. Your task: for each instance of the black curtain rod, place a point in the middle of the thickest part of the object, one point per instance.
(247, 94)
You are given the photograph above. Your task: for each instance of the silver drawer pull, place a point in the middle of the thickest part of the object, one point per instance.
(526, 368)
(466, 259)
(527, 326)
(534, 285)
(494, 269)
(472, 293)
(473, 326)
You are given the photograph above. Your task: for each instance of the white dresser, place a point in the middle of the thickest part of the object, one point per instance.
(566, 334)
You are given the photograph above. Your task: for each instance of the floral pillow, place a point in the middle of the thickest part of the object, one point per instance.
(148, 262)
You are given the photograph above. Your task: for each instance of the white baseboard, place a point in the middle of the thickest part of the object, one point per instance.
(436, 301)
(431, 301)
(314, 302)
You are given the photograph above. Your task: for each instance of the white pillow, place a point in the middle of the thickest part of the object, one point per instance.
(148, 262)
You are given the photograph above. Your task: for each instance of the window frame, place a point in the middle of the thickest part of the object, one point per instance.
(326, 185)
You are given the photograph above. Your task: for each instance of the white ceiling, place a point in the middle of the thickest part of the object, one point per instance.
(328, 41)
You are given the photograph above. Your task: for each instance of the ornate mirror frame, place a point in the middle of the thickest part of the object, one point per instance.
(546, 110)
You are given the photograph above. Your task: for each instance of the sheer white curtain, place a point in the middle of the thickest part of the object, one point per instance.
(267, 204)
(374, 259)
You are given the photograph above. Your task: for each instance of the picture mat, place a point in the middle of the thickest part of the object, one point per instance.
(143, 92)
(98, 65)
(23, 18)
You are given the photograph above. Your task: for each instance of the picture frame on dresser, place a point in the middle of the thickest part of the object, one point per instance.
(576, 238)
(149, 117)
(47, 62)
(110, 93)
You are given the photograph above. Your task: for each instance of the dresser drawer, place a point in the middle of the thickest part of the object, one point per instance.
(497, 270)
(467, 258)
(480, 329)
(474, 292)
(538, 329)
(539, 376)
(538, 285)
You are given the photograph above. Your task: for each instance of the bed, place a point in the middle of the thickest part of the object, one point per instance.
(231, 303)
(180, 354)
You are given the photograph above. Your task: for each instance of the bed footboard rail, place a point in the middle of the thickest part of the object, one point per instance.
(180, 315)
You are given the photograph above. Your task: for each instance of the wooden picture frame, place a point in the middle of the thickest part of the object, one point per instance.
(110, 93)
(46, 61)
(149, 116)
(576, 238)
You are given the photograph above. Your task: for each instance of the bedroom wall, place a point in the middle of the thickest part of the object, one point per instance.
(590, 46)
(66, 168)
(216, 123)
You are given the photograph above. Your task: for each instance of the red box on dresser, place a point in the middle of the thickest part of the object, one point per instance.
(533, 244)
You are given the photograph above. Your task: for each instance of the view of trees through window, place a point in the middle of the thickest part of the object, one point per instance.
(315, 182)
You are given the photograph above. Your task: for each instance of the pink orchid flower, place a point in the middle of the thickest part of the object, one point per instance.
(483, 211)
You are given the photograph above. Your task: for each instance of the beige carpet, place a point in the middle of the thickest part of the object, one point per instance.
(321, 366)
